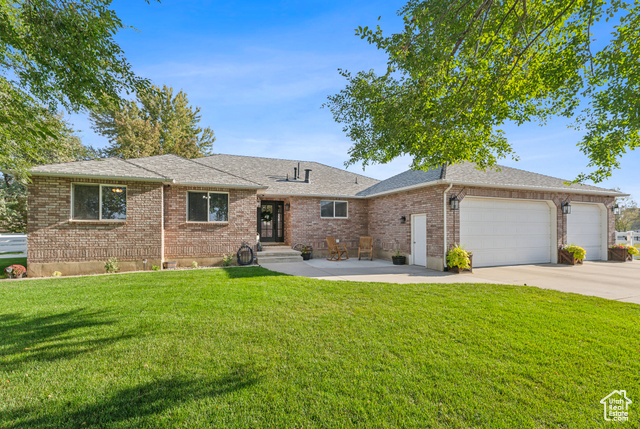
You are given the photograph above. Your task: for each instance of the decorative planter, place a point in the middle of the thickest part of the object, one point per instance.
(618, 254)
(459, 270)
(567, 258)
(399, 260)
(306, 256)
(169, 265)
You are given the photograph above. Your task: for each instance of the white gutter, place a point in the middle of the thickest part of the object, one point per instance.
(220, 185)
(95, 176)
(444, 201)
(604, 192)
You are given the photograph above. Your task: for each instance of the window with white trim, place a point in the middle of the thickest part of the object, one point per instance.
(98, 202)
(207, 206)
(334, 209)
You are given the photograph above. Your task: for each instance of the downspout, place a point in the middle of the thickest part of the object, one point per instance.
(444, 201)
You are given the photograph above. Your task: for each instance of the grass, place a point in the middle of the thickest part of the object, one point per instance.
(5, 262)
(245, 347)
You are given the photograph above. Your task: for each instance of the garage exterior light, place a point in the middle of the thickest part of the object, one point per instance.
(566, 208)
(616, 210)
(454, 202)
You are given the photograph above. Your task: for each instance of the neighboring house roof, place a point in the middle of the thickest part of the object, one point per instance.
(191, 172)
(324, 180)
(466, 174)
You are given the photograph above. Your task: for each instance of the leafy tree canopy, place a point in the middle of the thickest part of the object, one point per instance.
(460, 69)
(63, 147)
(55, 54)
(159, 122)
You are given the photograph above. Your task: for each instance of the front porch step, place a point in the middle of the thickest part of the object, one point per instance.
(273, 255)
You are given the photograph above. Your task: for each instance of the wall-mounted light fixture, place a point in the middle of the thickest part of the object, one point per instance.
(616, 210)
(566, 208)
(454, 202)
(287, 207)
(403, 219)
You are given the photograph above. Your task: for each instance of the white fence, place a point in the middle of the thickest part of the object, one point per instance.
(631, 238)
(13, 246)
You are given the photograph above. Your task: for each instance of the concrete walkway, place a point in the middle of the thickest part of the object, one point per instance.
(611, 280)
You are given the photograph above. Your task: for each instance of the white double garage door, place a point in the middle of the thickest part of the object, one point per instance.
(512, 232)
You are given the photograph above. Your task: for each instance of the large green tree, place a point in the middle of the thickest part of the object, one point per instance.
(157, 123)
(64, 146)
(55, 54)
(461, 69)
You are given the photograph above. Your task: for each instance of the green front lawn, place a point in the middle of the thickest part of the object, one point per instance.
(245, 347)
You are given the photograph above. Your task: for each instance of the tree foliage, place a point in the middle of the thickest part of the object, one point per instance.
(159, 122)
(629, 217)
(63, 147)
(461, 69)
(55, 54)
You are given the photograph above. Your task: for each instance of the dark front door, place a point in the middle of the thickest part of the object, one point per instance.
(271, 221)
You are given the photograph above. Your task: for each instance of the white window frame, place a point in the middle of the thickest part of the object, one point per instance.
(334, 209)
(99, 185)
(208, 207)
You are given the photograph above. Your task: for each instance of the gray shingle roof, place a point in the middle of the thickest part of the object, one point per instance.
(191, 171)
(112, 168)
(403, 180)
(467, 174)
(271, 173)
(324, 180)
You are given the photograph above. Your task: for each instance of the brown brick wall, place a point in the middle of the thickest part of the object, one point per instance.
(306, 226)
(202, 239)
(53, 237)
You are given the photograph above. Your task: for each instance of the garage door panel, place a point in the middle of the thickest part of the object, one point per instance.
(505, 232)
(584, 228)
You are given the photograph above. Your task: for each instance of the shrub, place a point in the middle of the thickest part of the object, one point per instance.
(112, 266)
(155, 267)
(57, 274)
(578, 252)
(458, 257)
(227, 260)
(194, 264)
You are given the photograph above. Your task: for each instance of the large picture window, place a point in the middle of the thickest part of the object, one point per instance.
(99, 202)
(334, 209)
(207, 207)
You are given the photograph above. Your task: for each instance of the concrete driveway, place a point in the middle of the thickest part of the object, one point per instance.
(618, 281)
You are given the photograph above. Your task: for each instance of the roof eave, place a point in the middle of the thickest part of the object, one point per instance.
(220, 185)
(287, 195)
(603, 192)
(101, 176)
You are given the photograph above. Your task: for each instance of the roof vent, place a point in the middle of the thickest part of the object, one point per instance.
(295, 173)
(307, 172)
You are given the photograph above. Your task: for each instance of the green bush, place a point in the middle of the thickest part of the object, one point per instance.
(194, 264)
(227, 260)
(112, 266)
(578, 252)
(458, 257)
(155, 267)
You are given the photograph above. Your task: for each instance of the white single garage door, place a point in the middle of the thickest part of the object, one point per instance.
(585, 226)
(506, 231)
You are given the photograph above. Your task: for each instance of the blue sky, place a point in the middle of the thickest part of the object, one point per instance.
(260, 72)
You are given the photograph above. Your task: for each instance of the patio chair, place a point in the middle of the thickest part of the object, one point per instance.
(366, 247)
(336, 251)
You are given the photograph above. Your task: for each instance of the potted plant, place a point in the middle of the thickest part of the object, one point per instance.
(571, 254)
(459, 259)
(306, 252)
(622, 252)
(398, 259)
(16, 271)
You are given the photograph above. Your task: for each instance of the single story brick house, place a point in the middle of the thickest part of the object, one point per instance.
(166, 207)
